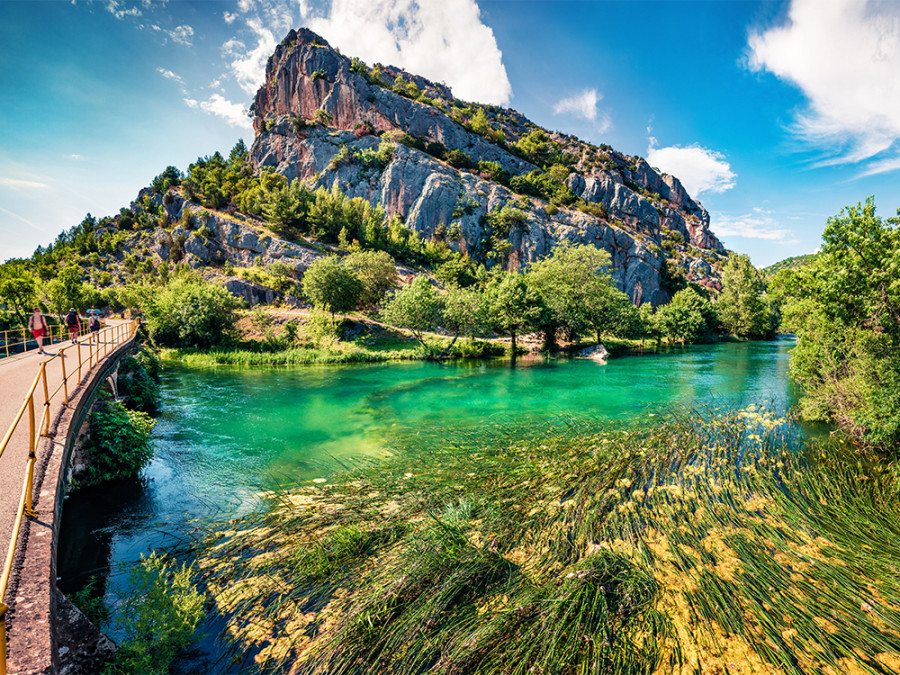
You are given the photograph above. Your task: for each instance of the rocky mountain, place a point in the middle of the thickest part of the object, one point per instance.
(446, 166)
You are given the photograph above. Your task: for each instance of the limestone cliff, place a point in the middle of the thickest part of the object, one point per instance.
(319, 112)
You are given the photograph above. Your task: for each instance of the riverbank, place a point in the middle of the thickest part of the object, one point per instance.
(724, 543)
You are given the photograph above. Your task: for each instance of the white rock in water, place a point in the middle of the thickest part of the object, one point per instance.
(597, 353)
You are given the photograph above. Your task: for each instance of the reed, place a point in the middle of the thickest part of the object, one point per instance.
(717, 542)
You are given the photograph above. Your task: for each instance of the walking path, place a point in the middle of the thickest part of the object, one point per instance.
(17, 374)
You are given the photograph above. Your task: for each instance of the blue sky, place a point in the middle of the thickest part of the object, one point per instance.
(773, 114)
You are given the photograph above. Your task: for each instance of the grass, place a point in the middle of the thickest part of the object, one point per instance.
(722, 542)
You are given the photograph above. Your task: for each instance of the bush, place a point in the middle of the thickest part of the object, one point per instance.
(191, 313)
(139, 380)
(118, 444)
(459, 160)
(378, 273)
(158, 617)
(331, 286)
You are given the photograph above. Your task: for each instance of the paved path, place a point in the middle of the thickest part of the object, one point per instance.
(17, 374)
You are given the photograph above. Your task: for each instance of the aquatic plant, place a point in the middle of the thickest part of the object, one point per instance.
(719, 541)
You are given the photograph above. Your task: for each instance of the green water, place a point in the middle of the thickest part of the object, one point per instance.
(225, 434)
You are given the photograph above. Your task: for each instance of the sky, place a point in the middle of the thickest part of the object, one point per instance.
(775, 115)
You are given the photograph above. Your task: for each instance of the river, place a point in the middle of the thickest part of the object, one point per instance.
(225, 434)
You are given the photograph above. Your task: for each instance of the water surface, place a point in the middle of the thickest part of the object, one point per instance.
(225, 434)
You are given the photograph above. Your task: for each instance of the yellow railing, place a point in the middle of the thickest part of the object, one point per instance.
(10, 340)
(88, 355)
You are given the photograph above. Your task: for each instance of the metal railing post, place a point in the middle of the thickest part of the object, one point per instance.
(46, 398)
(31, 458)
(3, 609)
(79, 364)
(62, 361)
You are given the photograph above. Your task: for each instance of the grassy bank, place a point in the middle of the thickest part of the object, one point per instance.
(718, 543)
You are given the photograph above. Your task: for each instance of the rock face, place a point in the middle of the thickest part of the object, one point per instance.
(316, 103)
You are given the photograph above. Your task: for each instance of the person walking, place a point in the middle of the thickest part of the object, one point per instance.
(37, 324)
(73, 323)
(94, 325)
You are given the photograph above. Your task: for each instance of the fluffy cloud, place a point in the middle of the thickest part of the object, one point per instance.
(119, 11)
(169, 75)
(844, 55)
(229, 17)
(249, 65)
(233, 113)
(583, 104)
(180, 34)
(758, 224)
(443, 40)
(699, 169)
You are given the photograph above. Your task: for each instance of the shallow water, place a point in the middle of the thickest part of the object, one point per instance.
(225, 434)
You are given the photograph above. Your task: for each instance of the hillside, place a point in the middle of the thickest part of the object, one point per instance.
(789, 264)
(322, 117)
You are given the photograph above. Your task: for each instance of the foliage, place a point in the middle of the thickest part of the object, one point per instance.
(613, 314)
(463, 311)
(378, 273)
(159, 616)
(844, 307)
(415, 307)
(332, 286)
(512, 306)
(118, 444)
(138, 380)
(571, 282)
(460, 270)
(189, 312)
(741, 306)
(688, 317)
(18, 288)
(539, 149)
(67, 290)
(459, 160)
(548, 185)
(170, 177)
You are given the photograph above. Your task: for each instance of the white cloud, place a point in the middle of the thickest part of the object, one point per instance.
(17, 183)
(583, 104)
(233, 113)
(844, 55)
(181, 34)
(699, 169)
(229, 17)
(169, 75)
(758, 224)
(249, 66)
(116, 9)
(443, 40)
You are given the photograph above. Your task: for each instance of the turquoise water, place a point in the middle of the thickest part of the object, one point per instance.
(225, 434)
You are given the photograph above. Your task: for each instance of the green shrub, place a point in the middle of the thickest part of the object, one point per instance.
(118, 444)
(159, 617)
(459, 160)
(139, 380)
(191, 312)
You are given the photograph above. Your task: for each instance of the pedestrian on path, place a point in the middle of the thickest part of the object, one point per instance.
(37, 324)
(94, 325)
(73, 323)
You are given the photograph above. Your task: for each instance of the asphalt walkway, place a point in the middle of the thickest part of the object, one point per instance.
(17, 374)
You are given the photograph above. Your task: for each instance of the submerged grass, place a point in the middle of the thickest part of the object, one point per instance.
(715, 543)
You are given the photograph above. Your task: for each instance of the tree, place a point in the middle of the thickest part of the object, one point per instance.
(189, 312)
(570, 281)
(463, 312)
(512, 307)
(741, 306)
(17, 288)
(613, 314)
(845, 309)
(378, 273)
(331, 286)
(649, 323)
(66, 290)
(415, 307)
(688, 316)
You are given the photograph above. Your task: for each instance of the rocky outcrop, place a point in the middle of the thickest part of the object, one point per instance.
(318, 111)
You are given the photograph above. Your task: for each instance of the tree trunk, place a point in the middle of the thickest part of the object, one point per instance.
(446, 349)
(512, 335)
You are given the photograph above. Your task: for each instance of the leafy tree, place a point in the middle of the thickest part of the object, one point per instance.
(66, 290)
(463, 312)
(538, 148)
(119, 443)
(741, 306)
(613, 314)
(378, 273)
(460, 270)
(649, 325)
(17, 288)
(512, 307)
(570, 282)
(169, 177)
(687, 317)
(844, 307)
(331, 286)
(189, 312)
(415, 307)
